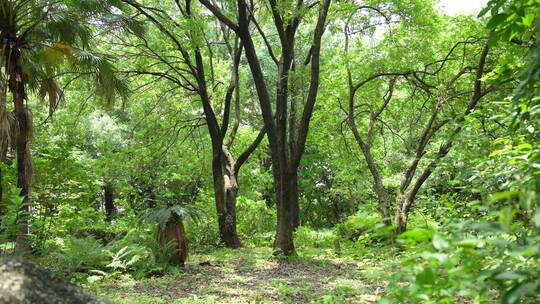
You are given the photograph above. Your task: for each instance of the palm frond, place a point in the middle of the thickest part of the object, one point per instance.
(125, 23)
(8, 131)
(86, 61)
(162, 215)
(191, 213)
(49, 87)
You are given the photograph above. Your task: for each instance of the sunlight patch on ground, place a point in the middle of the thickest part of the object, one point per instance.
(253, 275)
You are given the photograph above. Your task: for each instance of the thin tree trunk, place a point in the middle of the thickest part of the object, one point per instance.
(406, 198)
(295, 205)
(2, 206)
(1, 191)
(402, 215)
(231, 168)
(108, 198)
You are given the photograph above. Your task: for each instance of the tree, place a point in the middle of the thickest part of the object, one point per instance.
(187, 69)
(35, 38)
(449, 93)
(286, 139)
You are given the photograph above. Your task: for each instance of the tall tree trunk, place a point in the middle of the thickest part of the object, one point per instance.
(17, 86)
(2, 207)
(285, 164)
(108, 199)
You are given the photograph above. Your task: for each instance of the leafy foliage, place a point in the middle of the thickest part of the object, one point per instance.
(420, 116)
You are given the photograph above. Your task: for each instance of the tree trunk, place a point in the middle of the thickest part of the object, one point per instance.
(285, 165)
(174, 232)
(17, 86)
(284, 236)
(225, 212)
(295, 205)
(108, 199)
(401, 216)
(231, 190)
(2, 208)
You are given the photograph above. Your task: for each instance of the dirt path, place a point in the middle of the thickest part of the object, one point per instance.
(252, 275)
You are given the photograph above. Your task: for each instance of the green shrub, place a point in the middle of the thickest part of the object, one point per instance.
(470, 263)
(255, 219)
(135, 254)
(73, 254)
(306, 237)
(203, 234)
(365, 227)
(9, 227)
(139, 254)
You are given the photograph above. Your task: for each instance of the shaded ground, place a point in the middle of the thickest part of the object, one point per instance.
(252, 275)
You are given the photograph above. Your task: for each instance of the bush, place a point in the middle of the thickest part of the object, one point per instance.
(478, 263)
(8, 220)
(365, 227)
(255, 220)
(307, 237)
(67, 256)
(203, 234)
(136, 254)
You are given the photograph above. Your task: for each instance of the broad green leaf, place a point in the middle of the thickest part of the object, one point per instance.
(508, 276)
(496, 20)
(537, 217)
(426, 277)
(439, 242)
(519, 291)
(504, 195)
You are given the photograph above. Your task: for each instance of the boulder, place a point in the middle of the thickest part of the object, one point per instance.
(24, 282)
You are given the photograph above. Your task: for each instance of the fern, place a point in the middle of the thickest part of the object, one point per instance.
(162, 215)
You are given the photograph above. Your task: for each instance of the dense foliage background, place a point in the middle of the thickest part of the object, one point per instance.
(400, 134)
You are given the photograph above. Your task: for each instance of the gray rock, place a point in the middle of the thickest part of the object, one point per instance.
(23, 282)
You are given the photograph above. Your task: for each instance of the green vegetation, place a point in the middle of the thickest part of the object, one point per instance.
(372, 151)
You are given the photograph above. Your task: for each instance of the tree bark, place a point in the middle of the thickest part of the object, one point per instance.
(285, 163)
(295, 205)
(229, 218)
(108, 199)
(284, 243)
(17, 85)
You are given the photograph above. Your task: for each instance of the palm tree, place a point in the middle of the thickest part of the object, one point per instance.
(37, 39)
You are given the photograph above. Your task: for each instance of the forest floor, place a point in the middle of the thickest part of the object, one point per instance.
(253, 275)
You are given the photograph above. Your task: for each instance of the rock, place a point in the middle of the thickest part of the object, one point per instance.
(23, 282)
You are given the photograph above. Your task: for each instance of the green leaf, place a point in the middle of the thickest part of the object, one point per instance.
(504, 195)
(519, 291)
(439, 242)
(484, 11)
(426, 277)
(508, 276)
(528, 20)
(496, 20)
(537, 217)
(94, 278)
(470, 243)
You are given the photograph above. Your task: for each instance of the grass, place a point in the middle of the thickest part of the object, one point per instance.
(253, 275)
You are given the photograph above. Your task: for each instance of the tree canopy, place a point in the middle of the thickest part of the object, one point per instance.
(302, 131)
